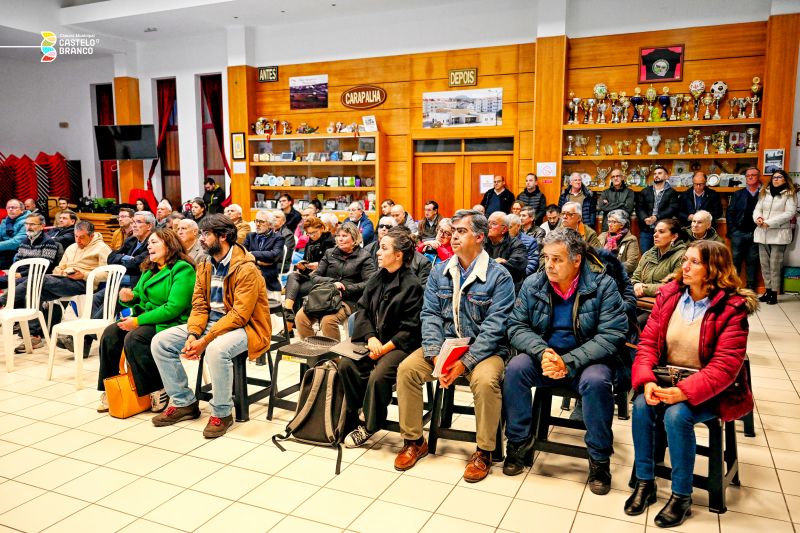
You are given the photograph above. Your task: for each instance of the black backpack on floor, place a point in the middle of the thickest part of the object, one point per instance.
(321, 412)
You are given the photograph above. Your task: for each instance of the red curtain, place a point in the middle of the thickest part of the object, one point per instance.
(105, 117)
(166, 99)
(212, 94)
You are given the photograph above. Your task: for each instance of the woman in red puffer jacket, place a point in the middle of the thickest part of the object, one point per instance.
(699, 324)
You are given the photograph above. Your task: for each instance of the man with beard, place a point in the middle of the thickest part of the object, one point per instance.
(64, 232)
(125, 230)
(230, 316)
(655, 202)
(35, 245)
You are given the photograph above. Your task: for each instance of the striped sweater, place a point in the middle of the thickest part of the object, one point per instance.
(42, 246)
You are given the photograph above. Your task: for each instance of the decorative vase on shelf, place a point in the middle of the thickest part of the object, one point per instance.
(652, 141)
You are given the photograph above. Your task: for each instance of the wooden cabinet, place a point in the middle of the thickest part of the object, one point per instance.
(319, 167)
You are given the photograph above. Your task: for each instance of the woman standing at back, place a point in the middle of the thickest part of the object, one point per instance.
(773, 215)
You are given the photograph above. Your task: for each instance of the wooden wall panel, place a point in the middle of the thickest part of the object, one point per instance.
(525, 145)
(783, 34)
(551, 55)
(127, 111)
(700, 43)
(241, 101)
(405, 78)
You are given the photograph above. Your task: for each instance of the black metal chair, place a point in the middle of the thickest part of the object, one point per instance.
(747, 420)
(723, 462)
(241, 398)
(444, 407)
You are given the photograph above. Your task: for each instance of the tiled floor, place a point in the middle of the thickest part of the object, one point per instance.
(64, 467)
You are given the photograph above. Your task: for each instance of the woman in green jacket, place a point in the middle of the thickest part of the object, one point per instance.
(161, 299)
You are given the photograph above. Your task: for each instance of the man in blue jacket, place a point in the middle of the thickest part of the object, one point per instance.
(569, 330)
(12, 232)
(267, 246)
(362, 222)
(468, 296)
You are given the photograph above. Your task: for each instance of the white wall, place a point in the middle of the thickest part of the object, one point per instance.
(184, 59)
(37, 96)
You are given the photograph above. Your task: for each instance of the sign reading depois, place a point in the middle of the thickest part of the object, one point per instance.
(463, 77)
(363, 97)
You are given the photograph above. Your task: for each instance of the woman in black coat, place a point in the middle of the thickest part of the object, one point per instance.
(387, 320)
(347, 267)
(298, 283)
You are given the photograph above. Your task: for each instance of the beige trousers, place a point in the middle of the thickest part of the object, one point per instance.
(485, 380)
(328, 325)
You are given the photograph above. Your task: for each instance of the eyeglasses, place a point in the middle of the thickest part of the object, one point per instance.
(567, 214)
(445, 233)
(261, 222)
(385, 226)
(778, 177)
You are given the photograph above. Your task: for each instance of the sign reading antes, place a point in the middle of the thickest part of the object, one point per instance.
(363, 97)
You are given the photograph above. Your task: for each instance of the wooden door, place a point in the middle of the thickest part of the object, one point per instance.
(438, 178)
(477, 165)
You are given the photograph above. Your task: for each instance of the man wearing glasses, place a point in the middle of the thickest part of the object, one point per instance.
(430, 223)
(267, 247)
(361, 221)
(499, 198)
(35, 245)
(12, 232)
(571, 218)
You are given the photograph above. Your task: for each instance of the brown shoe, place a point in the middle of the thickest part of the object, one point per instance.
(477, 467)
(173, 415)
(410, 454)
(217, 427)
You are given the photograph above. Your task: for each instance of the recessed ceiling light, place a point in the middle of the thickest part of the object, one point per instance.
(282, 11)
(236, 18)
(333, 5)
(150, 30)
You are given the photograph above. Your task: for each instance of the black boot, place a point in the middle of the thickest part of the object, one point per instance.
(773, 298)
(766, 296)
(673, 514)
(644, 494)
(599, 476)
(515, 458)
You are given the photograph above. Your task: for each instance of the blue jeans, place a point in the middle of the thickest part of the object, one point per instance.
(593, 383)
(166, 348)
(679, 421)
(744, 251)
(645, 240)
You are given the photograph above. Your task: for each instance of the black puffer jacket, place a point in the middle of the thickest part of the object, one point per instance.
(315, 250)
(352, 270)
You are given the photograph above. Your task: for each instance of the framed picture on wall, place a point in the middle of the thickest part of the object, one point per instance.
(661, 63)
(237, 146)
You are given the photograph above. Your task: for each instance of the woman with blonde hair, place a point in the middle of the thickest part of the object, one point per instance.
(689, 369)
(773, 215)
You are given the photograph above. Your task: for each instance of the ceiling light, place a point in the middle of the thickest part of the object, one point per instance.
(150, 30)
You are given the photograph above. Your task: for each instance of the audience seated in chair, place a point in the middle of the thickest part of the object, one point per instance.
(699, 322)
(507, 251)
(267, 247)
(188, 233)
(234, 213)
(64, 232)
(299, 282)
(358, 217)
(438, 249)
(35, 244)
(12, 231)
(348, 267)
(569, 332)
(571, 219)
(69, 277)
(161, 299)
(125, 229)
(468, 296)
(230, 316)
(619, 240)
(387, 320)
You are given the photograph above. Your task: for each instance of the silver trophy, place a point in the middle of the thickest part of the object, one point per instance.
(673, 102)
(570, 140)
(752, 146)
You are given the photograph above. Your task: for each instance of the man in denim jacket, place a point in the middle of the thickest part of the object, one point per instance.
(468, 296)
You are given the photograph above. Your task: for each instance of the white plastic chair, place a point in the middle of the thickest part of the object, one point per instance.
(281, 272)
(85, 324)
(37, 268)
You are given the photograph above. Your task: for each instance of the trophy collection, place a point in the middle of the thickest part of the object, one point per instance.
(701, 103)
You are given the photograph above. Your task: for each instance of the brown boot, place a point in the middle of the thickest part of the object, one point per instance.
(478, 466)
(217, 426)
(410, 454)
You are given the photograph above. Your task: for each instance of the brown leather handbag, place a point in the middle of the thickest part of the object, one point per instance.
(123, 400)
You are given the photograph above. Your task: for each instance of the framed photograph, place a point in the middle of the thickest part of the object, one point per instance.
(308, 92)
(237, 146)
(331, 145)
(297, 147)
(659, 64)
(366, 144)
(287, 156)
(773, 160)
(463, 108)
(370, 124)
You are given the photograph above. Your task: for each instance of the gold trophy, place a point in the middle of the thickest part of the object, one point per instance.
(651, 95)
(625, 102)
(707, 101)
(696, 88)
(686, 101)
(756, 88)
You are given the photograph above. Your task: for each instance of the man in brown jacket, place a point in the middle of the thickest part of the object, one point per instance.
(230, 315)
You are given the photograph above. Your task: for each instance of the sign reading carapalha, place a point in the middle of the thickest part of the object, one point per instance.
(363, 97)
(74, 44)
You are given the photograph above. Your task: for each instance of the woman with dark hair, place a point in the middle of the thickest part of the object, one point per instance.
(659, 262)
(298, 283)
(161, 299)
(199, 209)
(142, 205)
(774, 211)
(387, 320)
(699, 326)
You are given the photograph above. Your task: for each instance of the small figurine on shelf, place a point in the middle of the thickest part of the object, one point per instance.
(331, 128)
(305, 129)
(286, 127)
(260, 126)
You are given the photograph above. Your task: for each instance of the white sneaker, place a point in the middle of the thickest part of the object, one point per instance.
(103, 407)
(357, 437)
(158, 401)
